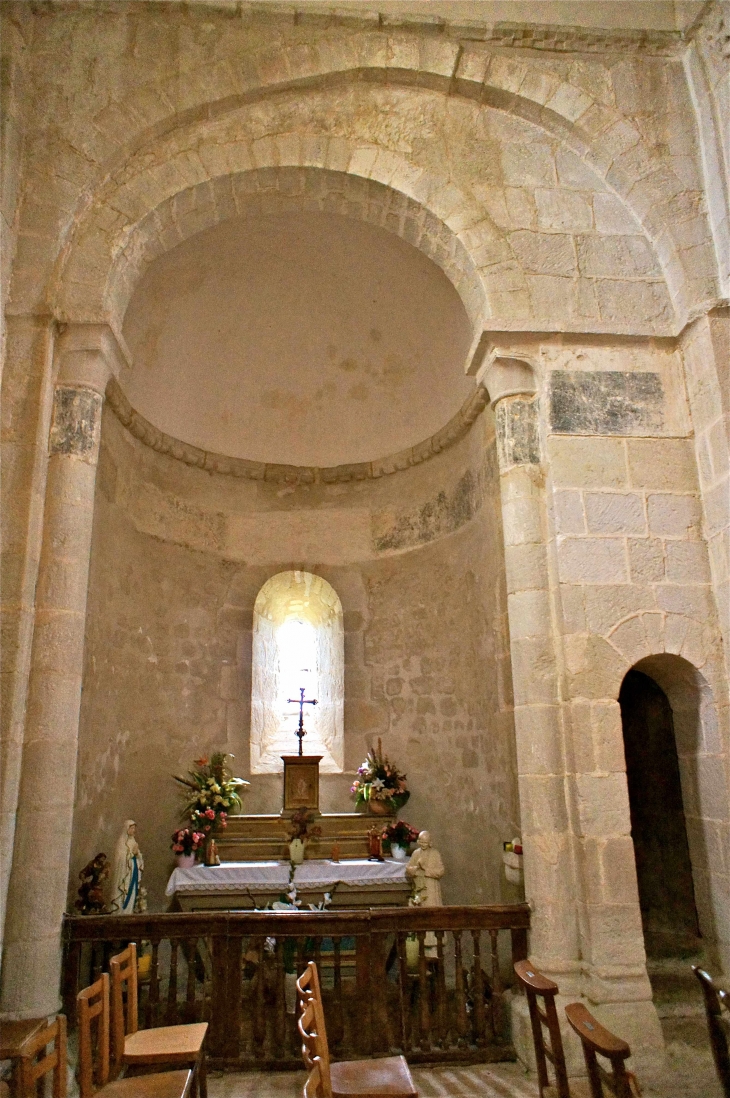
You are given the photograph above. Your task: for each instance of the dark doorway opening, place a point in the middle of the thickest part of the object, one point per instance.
(658, 827)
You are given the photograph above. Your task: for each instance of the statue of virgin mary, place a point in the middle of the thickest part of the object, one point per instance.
(128, 866)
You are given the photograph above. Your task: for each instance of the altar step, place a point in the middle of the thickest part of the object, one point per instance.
(266, 838)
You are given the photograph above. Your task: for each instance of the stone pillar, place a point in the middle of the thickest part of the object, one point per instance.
(551, 885)
(550, 881)
(39, 875)
(558, 806)
(27, 398)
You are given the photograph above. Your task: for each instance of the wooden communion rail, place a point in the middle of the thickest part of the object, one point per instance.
(428, 982)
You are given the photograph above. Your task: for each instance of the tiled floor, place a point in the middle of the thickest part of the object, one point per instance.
(690, 1074)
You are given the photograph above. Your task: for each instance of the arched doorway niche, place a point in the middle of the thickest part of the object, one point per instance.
(297, 620)
(704, 797)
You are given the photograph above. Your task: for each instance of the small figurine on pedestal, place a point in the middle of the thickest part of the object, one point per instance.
(426, 869)
(128, 866)
(91, 893)
(375, 844)
(212, 857)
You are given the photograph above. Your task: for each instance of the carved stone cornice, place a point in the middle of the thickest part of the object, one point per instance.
(551, 37)
(141, 429)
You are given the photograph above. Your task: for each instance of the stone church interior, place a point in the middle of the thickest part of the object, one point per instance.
(365, 548)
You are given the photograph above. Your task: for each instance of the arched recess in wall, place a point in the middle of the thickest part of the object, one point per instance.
(298, 641)
(670, 722)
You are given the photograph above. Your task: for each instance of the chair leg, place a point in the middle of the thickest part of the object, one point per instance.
(202, 1075)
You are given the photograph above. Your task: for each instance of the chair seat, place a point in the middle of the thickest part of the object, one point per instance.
(165, 1084)
(372, 1078)
(165, 1044)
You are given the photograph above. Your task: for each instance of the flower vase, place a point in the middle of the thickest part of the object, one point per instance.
(400, 854)
(185, 861)
(379, 808)
(296, 851)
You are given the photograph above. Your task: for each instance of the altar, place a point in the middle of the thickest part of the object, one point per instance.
(354, 883)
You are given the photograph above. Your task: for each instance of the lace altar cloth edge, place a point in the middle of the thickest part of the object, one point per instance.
(263, 876)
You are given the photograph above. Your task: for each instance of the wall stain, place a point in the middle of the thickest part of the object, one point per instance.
(441, 515)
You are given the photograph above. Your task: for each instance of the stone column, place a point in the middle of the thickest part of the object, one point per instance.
(550, 877)
(27, 399)
(557, 807)
(39, 875)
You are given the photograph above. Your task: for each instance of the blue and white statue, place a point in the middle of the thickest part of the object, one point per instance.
(128, 866)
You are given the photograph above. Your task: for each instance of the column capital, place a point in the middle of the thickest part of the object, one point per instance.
(504, 375)
(87, 355)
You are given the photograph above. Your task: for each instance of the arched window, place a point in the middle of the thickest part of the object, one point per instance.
(298, 640)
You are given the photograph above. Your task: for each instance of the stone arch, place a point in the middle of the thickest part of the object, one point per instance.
(309, 600)
(432, 214)
(268, 190)
(704, 788)
(608, 143)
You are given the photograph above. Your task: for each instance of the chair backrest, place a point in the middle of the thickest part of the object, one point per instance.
(31, 1068)
(312, 1029)
(123, 973)
(715, 1000)
(538, 987)
(596, 1039)
(93, 1015)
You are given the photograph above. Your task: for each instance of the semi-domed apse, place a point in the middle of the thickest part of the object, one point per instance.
(304, 338)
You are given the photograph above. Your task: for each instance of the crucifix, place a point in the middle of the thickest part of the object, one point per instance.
(301, 701)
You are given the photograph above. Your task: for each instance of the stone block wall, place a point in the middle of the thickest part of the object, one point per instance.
(168, 648)
(633, 531)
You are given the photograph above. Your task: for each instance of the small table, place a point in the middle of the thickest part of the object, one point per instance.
(13, 1036)
(355, 882)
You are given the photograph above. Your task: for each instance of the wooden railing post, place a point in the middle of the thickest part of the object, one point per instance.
(225, 1018)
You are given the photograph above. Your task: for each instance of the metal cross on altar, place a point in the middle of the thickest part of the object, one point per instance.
(301, 701)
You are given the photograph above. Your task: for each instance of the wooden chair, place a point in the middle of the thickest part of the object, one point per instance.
(597, 1040)
(389, 1076)
(93, 1013)
(538, 987)
(715, 1000)
(13, 1037)
(31, 1067)
(175, 1046)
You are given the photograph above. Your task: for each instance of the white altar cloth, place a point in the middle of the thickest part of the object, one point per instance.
(265, 876)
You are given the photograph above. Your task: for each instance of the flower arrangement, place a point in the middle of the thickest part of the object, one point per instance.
(378, 779)
(401, 833)
(213, 792)
(300, 825)
(187, 841)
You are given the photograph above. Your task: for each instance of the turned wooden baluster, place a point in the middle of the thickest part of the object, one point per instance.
(153, 1000)
(441, 1027)
(280, 1027)
(462, 1021)
(404, 997)
(190, 955)
(71, 981)
(338, 1028)
(259, 1012)
(424, 1014)
(171, 1015)
(364, 1039)
(478, 991)
(496, 1000)
(379, 986)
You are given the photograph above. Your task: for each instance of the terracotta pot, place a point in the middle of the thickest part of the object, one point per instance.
(380, 808)
(185, 861)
